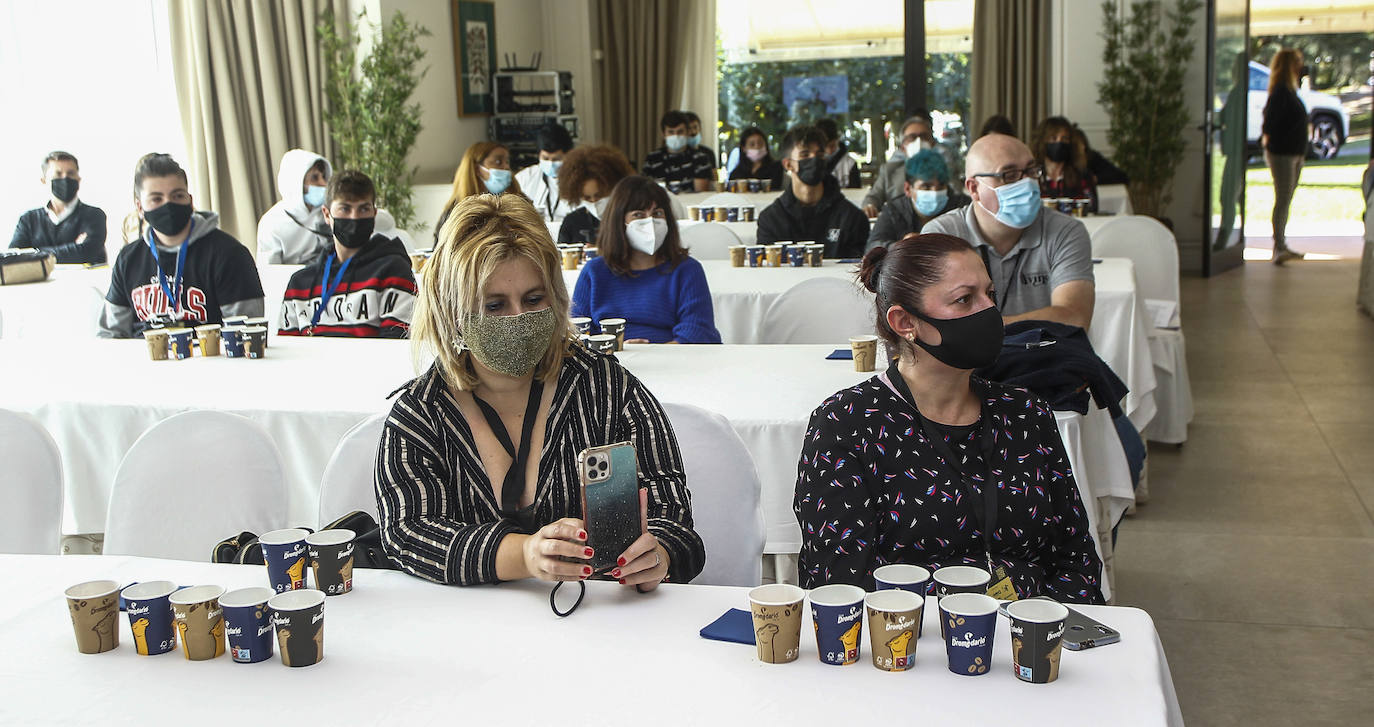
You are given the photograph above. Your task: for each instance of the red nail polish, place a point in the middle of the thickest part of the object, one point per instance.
(620, 561)
(586, 570)
(587, 552)
(582, 535)
(615, 573)
(622, 581)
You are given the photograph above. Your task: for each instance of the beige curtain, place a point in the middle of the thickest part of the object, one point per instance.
(642, 67)
(249, 81)
(1011, 62)
(695, 87)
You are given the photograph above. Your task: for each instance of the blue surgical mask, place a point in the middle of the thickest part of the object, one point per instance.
(314, 196)
(497, 180)
(675, 143)
(548, 168)
(694, 140)
(930, 201)
(1018, 203)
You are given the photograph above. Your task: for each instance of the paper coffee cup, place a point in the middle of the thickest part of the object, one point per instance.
(94, 608)
(837, 611)
(417, 262)
(615, 327)
(582, 324)
(754, 255)
(970, 620)
(747, 213)
(151, 621)
(156, 339)
(331, 560)
(254, 341)
(572, 257)
(737, 253)
(695, 213)
(240, 321)
(796, 256)
(200, 621)
(299, 618)
(894, 625)
(602, 343)
(1037, 630)
(232, 341)
(774, 253)
(865, 350)
(903, 577)
(209, 338)
(285, 553)
(248, 624)
(179, 342)
(959, 579)
(262, 323)
(777, 612)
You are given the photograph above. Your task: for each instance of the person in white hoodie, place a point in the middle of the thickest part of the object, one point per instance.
(294, 231)
(539, 181)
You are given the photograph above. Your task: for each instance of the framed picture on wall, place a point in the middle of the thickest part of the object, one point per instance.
(474, 54)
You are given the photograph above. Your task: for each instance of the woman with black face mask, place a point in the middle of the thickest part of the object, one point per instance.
(1064, 158)
(926, 464)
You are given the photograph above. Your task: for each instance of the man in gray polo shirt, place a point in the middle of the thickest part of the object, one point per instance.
(1040, 260)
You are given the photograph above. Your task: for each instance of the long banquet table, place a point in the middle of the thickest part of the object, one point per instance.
(96, 397)
(399, 650)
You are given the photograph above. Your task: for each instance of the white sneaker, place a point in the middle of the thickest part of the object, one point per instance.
(1282, 256)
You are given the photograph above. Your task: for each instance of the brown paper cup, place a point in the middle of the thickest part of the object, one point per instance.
(209, 339)
(417, 262)
(737, 256)
(299, 618)
(156, 339)
(199, 621)
(571, 258)
(894, 621)
(255, 341)
(94, 608)
(695, 213)
(777, 610)
(774, 255)
(865, 349)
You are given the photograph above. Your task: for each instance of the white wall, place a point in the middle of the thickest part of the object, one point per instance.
(1076, 68)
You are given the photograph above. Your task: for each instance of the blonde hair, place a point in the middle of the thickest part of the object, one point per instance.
(467, 181)
(1285, 69)
(483, 232)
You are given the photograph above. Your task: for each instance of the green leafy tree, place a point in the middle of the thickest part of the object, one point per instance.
(1146, 56)
(369, 114)
(1336, 60)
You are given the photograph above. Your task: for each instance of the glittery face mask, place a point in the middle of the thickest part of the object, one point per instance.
(510, 345)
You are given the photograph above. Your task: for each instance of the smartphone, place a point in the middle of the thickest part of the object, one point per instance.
(610, 501)
(1080, 631)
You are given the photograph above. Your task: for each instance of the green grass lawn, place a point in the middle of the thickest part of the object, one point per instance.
(1327, 190)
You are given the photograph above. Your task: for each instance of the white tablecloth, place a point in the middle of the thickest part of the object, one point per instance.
(1113, 199)
(399, 650)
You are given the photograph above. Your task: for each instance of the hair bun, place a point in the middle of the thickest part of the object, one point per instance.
(872, 267)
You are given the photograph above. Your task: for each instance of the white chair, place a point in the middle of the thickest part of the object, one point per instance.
(1151, 247)
(348, 483)
(192, 480)
(726, 496)
(819, 310)
(708, 240)
(31, 484)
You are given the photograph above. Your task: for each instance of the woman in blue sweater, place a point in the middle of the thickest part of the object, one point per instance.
(643, 274)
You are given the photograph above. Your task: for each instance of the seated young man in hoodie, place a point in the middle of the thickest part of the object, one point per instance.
(812, 208)
(362, 286)
(70, 229)
(294, 232)
(186, 270)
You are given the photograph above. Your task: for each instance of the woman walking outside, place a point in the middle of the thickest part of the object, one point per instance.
(1284, 138)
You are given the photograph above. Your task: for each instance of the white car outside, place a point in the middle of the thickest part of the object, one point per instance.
(1329, 122)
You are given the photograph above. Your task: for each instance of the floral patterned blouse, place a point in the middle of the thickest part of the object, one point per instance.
(873, 490)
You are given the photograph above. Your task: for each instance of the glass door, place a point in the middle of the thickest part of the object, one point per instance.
(1228, 144)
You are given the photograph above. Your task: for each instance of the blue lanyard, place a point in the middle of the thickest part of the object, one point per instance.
(328, 291)
(173, 296)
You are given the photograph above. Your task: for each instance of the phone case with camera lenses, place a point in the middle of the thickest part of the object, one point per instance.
(610, 501)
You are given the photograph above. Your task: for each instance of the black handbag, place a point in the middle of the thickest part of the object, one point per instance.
(367, 541)
(243, 548)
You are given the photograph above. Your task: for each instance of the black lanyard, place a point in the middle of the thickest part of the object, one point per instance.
(549, 198)
(514, 485)
(988, 522)
(1011, 282)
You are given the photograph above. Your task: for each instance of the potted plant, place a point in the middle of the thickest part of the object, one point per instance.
(369, 115)
(1145, 59)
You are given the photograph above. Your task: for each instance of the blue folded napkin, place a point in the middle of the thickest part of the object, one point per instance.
(735, 626)
(841, 354)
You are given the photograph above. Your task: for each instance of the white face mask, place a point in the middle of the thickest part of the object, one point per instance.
(598, 207)
(647, 235)
(915, 147)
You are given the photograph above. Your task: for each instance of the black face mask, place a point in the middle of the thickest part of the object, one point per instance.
(64, 188)
(1057, 151)
(170, 218)
(811, 171)
(354, 233)
(970, 342)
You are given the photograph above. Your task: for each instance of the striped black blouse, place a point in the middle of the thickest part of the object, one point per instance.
(440, 519)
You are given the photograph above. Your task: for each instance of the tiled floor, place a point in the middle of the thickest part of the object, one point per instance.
(1255, 555)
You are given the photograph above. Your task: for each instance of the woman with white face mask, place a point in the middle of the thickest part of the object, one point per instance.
(643, 274)
(585, 181)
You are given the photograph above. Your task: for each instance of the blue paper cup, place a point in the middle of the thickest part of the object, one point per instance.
(971, 622)
(754, 254)
(232, 337)
(151, 622)
(179, 341)
(959, 579)
(286, 554)
(248, 624)
(838, 614)
(903, 577)
(796, 256)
